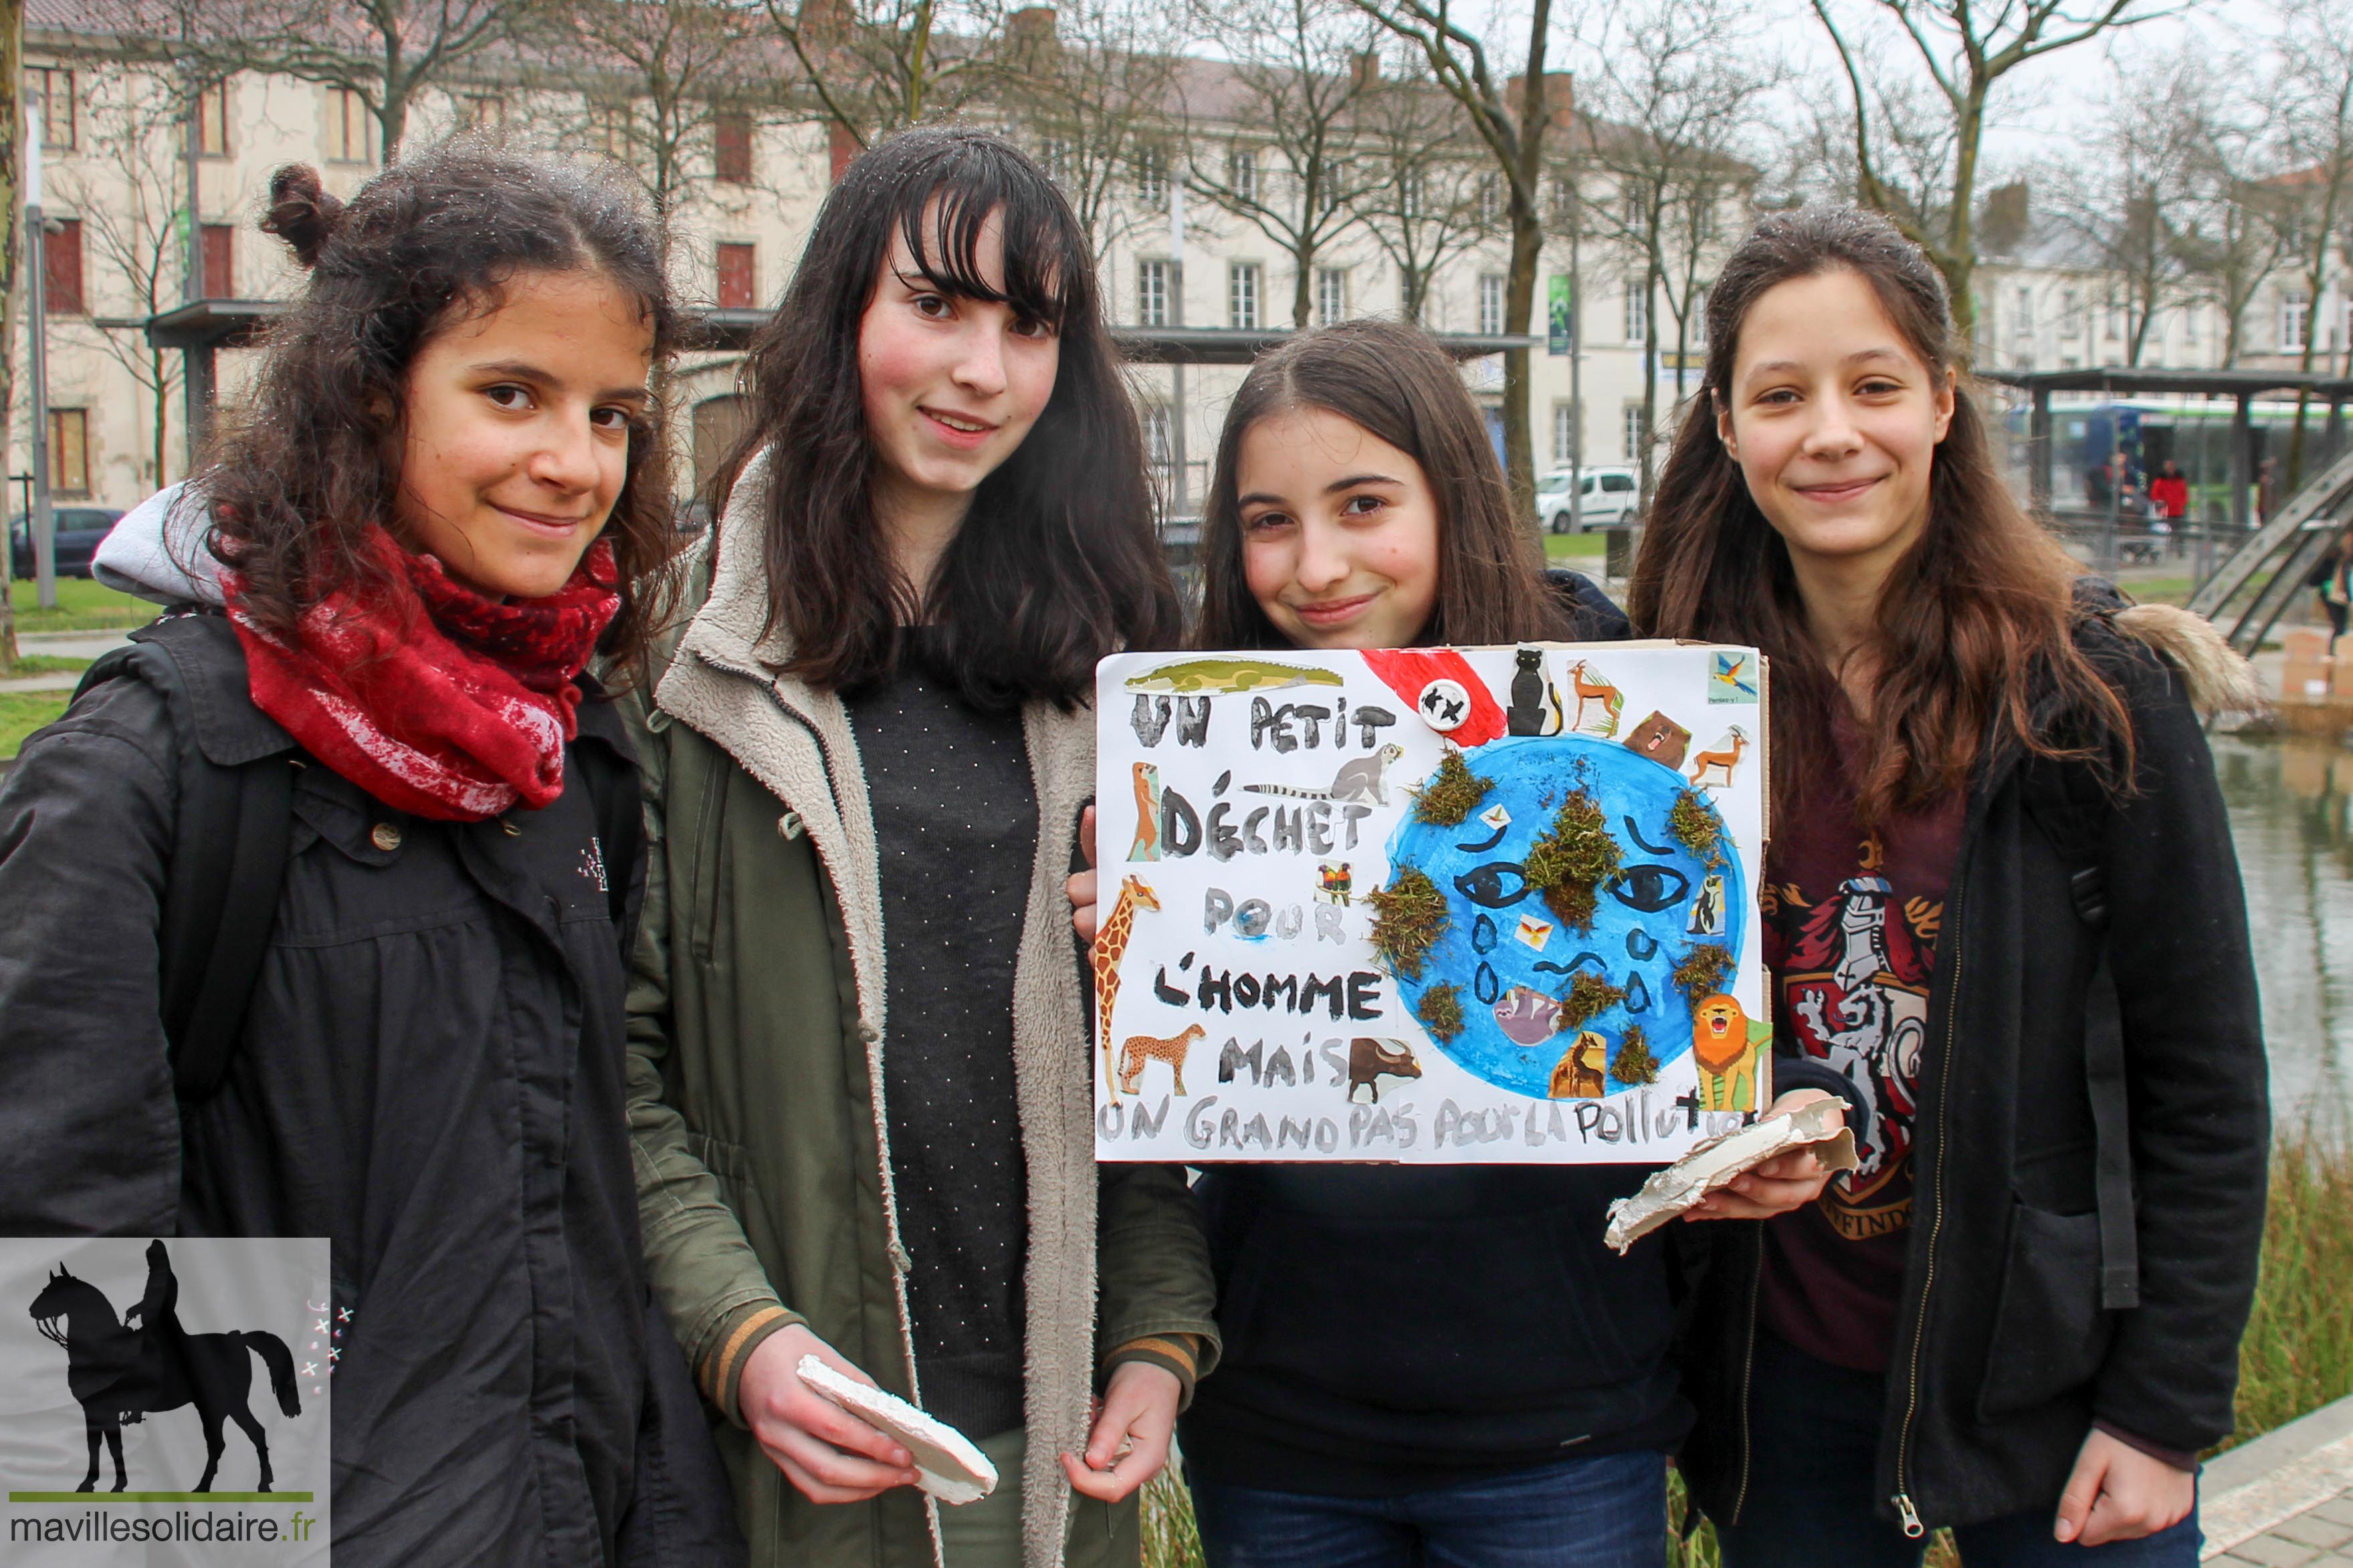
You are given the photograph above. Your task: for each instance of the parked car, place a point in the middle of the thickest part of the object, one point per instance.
(1607, 499)
(80, 531)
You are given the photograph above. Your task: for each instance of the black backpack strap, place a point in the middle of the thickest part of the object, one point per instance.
(231, 842)
(2073, 827)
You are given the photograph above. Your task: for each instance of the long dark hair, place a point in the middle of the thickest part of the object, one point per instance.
(299, 481)
(1395, 382)
(1975, 623)
(1057, 563)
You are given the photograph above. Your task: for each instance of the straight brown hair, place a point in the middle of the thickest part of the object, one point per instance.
(1395, 382)
(1975, 623)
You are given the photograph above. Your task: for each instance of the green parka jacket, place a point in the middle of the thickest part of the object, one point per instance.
(756, 1031)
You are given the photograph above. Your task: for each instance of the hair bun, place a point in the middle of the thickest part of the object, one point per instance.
(302, 213)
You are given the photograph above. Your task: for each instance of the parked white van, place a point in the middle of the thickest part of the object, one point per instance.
(1607, 499)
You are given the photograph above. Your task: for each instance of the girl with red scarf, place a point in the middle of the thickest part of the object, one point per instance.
(446, 494)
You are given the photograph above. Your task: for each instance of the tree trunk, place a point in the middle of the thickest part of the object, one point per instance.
(1960, 262)
(1650, 373)
(1303, 296)
(12, 133)
(1520, 287)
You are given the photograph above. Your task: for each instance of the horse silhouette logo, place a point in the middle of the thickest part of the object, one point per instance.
(119, 1374)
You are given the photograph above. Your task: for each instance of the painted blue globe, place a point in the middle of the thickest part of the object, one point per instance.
(1515, 957)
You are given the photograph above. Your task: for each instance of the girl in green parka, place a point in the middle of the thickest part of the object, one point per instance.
(861, 1085)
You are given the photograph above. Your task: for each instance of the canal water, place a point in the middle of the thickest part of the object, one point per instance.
(2290, 804)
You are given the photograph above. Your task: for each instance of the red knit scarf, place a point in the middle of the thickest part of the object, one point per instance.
(431, 697)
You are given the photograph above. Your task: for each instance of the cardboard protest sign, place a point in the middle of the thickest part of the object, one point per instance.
(1437, 905)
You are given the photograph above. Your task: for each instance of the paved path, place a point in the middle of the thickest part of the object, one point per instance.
(2285, 1499)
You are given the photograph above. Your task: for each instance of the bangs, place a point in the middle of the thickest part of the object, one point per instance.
(1044, 259)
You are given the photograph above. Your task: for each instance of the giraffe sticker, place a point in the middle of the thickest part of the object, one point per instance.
(1111, 942)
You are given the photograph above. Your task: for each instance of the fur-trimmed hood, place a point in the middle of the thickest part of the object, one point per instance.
(2221, 679)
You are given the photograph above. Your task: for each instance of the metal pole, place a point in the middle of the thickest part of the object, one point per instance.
(195, 363)
(1183, 498)
(2241, 460)
(2038, 454)
(1575, 358)
(37, 367)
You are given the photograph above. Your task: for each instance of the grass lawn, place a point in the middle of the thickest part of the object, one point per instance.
(82, 607)
(47, 664)
(1576, 549)
(22, 712)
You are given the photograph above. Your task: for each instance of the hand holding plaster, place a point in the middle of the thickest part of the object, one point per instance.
(824, 1450)
(1081, 888)
(1782, 1184)
(2118, 1493)
(1129, 1442)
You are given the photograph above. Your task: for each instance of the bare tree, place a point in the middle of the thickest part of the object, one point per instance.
(12, 136)
(1091, 84)
(385, 52)
(2316, 118)
(1282, 158)
(134, 124)
(1675, 92)
(1426, 198)
(874, 66)
(672, 90)
(2124, 203)
(1966, 50)
(2233, 234)
(1515, 138)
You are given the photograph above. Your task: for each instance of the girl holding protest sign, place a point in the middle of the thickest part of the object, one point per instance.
(1420, 1361)
(2004, 908)
(319, 898)
(862, 1097)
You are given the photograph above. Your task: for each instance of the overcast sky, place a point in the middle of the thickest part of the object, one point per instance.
(2048, 96)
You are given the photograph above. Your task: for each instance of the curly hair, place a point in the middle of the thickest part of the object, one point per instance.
(314, 462)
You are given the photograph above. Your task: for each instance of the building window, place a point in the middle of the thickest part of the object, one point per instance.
(1241, 296)
(481, 111)
(1152, 293)
(2189, 314)
(70, 451)
(2295, 321)
(212, 120)
(347, 126)
(1491, 201)
(1564, 199)
(1241, 172)
(1491, 303)
(2021, 314)
(1331, 297)
(1699, 320)
(1054, 157)
(1160, 440)
(1151, 175)
(61, 270)
(2071, 308)
(1564, 435)
(1637, 432)
(1638, 315)
(610, 129)
(53, 94)
(731, 136)
(739, 277)
(219, 243)
(2112, 320)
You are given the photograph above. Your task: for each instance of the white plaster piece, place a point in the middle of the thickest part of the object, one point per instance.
(952, 1470)
(1679, 1187)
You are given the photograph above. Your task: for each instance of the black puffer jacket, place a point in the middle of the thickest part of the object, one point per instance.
(2003, 1355)
(430, 1074)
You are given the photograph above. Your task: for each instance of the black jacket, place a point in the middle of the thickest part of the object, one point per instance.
(431, 1075)
(2003, 1355)
(1391, 1328)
